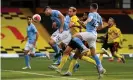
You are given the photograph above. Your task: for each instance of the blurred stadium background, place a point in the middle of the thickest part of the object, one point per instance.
(13, 27)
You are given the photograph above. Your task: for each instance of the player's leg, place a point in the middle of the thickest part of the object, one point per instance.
(66, 41)
(113, 48)
(88, 59)
(74, 60)
(63, 60)
(55, 38)
(99, 66)
(91, 39)
(66, 38)
(65, 57)
(86, 56)
(72, 63)
(26, 56)
(78, 39)
(103, 51)
(54, 45)
(54, 42)
(42, 54)
(76, 66)
(71, 46)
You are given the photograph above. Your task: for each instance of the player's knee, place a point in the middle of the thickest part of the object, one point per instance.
(25, 52)
(92, 51)
(62, 46)
(66, 52)
(51, 42)
(32, 55)
(77, 35)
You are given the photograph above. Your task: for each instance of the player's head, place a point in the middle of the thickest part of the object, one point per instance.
(111, 22)
(29, 19)
(85, 15)
(72, 11)
(47, 11)
(93, 7)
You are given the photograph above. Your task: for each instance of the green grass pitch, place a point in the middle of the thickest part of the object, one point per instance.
(11, 70)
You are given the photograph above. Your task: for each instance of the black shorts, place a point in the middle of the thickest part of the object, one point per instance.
(112, 46)
(74, 45)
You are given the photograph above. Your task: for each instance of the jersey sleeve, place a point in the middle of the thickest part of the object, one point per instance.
(90, 15)
(34, 29)
(101, 21)
(56, 13)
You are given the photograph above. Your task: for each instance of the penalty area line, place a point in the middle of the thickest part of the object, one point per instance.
(68, 78)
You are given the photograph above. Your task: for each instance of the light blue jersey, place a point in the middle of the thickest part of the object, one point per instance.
(55, 18)
(67, 19)
(31, 33)
(94, 23)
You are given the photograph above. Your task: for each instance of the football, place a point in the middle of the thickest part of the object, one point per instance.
(36, 17)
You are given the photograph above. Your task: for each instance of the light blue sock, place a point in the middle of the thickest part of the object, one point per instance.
(39, 54)
(56, 48)
(97, 60)
(27, 60)
(79, 42)
(59, 59)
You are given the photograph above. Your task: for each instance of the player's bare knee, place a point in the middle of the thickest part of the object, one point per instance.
(25, 52)
(62, 46)
(32, 55)
(51, 42)
(92, 50)
(66, 52)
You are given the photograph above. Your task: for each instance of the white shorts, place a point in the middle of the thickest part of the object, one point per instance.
(29, 47)
(64, 37)
(90, 38)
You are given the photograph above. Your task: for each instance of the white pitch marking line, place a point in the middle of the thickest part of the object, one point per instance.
(42, 74)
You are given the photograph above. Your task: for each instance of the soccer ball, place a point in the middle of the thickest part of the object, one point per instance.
(36, 17)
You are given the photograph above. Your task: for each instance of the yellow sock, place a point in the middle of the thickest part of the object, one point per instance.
(101, 57)
(72, 64)
(88, 59)
(63, 61)
(118, 55)
(87, 54)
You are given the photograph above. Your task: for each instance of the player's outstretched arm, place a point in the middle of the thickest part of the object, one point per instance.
(88, 20)
(62, 22)
(24, 39)
(100, 27)
(82, 24)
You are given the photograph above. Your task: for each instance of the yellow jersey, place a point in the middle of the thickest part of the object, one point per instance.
(75, 30)
(114, 34)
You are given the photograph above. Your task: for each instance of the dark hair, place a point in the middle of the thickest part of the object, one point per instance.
(86, 13)
(46, 8)
(29, 17)
(94, 5)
